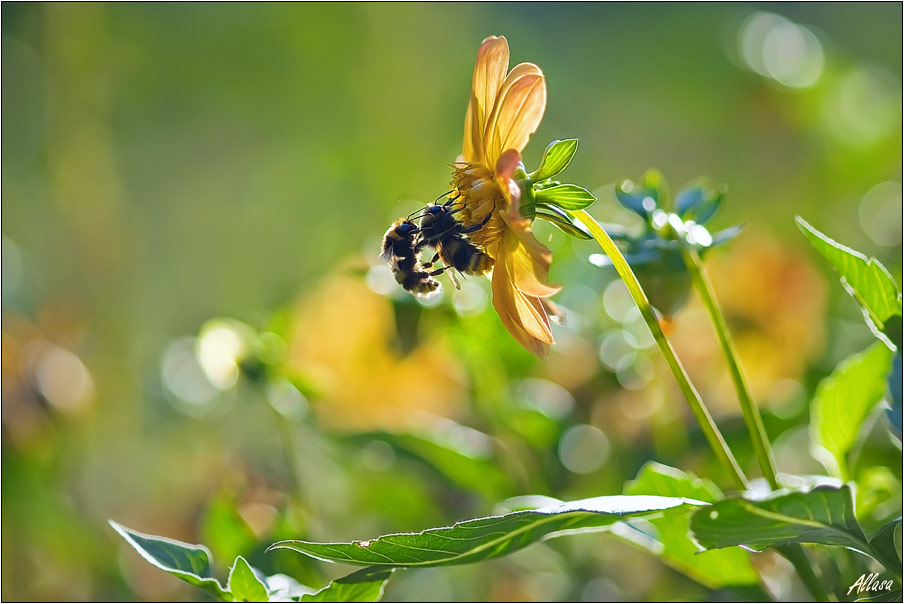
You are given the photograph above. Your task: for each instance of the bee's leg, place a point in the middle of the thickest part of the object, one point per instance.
(454, 280)
(483, 223)
(451, 274)
(432, 261)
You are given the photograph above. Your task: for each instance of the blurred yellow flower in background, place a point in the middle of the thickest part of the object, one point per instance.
(342, 344)
(504, 110)
(774, 302)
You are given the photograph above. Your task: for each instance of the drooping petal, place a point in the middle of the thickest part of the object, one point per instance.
(523, 316)
(517, 111)
(489, 73)
(527, 260)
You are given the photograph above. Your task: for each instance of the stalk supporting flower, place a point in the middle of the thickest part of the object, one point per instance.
(701, 413)
(504, 110)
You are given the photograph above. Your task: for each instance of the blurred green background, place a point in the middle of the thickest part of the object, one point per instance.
(165, 164)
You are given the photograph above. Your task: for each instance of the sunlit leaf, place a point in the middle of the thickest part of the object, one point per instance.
(555, 159)
(244, 585)
(671, 538)
(490, 537)
(842, 401)
(824, 515)
(567, 197)
(864, 278)
(191, 563)
(365, 585)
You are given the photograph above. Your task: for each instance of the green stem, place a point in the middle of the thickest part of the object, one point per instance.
(701, 413)
(807, 571)
(752, 417)
(795, 553)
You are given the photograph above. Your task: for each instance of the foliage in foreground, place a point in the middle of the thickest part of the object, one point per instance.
(687, 522)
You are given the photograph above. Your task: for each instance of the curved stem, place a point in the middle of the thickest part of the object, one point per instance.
(752, 417)
(701, 413)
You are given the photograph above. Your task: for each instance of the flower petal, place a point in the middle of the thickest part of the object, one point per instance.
(523, 316)
(517, 111)
(489, 73)
(527, 259)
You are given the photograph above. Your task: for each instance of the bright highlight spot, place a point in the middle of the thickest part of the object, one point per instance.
(583, 449)
(60, 376)
(780, 50)
(880, 213)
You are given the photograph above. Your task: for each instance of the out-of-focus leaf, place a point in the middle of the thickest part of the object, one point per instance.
(638, 201)
(671, 538)
(365, 585)
(555, 159)
(726, 235)
(567, 197)
(712, 201)
(244, 585)
(887, 541)
(888, 596)
(283, 588)
(472, 470)
(895, 412)
(191, 563)
(223, 530)
(688, 199)
(842, 401)
(824, 515)
(864, 278)
(490, 537)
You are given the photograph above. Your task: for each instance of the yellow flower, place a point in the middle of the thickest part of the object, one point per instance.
(505, 109)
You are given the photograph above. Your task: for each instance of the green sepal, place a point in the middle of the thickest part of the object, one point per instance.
(555, 159)
(566, 197)
(528, 202)
(563, 222)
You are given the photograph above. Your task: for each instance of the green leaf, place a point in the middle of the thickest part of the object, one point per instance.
(567, 197)
(634, 199)
(842, 402)
(887, 541)
(824, 515)
(555, 159)
(712, 201)
(671, 539)
(490, 537)
(864, 278)
(191, 563)
(564, 222)
(726, 235)
(244, 585)
(365, 585)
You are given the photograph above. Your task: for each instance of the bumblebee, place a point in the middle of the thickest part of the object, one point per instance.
(440, 230)
(401, 248)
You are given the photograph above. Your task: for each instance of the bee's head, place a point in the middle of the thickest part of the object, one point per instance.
(406, 228)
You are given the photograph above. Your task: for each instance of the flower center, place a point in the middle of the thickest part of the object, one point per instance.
(478, 196)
